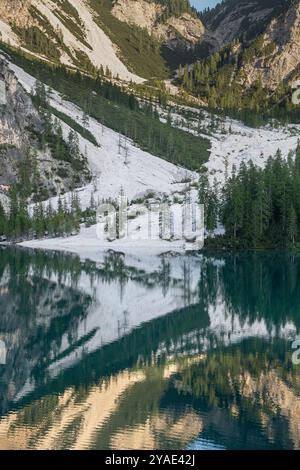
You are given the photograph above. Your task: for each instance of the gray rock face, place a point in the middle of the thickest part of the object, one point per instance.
(17, 114)
(274, 24)
(20, 124)
(283, 64)
(278, 60)
(148, 15)
(234, 18)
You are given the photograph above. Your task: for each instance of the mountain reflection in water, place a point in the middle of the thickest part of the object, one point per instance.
(171, 352)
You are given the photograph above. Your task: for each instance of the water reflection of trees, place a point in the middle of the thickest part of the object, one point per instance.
(41, 303)
(245, 396)
(251, 285)
(35, 313)
(254, 286)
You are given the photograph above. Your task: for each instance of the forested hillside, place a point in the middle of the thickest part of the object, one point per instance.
(134, 40)
(256, 70)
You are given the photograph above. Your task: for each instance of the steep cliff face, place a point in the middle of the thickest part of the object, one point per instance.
(16, 11)
(61, 31)
(17, 114)
(152, 16)
(280, 58)
(123, 36)
(272, 57)
(22, 135)
(233, 18)
(257, 63)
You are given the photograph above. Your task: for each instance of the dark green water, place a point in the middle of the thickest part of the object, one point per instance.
(168, 352)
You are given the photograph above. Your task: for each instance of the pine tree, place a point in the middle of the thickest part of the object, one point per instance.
(85, 120)
(3, 221)
(13, 223)
(39, 220)
(75, 211)
(50, 225)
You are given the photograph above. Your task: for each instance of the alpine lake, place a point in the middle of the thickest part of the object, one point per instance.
(165, 352)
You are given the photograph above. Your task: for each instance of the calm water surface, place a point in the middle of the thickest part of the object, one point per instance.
(170, 352)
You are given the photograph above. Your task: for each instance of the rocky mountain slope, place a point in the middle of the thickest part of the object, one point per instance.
(123, 38)
(50, 30)
(232, 18)
(61, 32)
(29, 144)
(279, 58)
(154, 17)
(257, 61)
(268, 39)
(138, 39)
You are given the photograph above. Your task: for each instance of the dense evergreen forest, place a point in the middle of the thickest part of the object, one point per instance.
(21, 223)
(258, 207)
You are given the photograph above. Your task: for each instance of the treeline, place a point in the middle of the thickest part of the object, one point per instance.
(19, 222)
(37, 41)
(30, 185)
(258, 208)
(175, 8)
